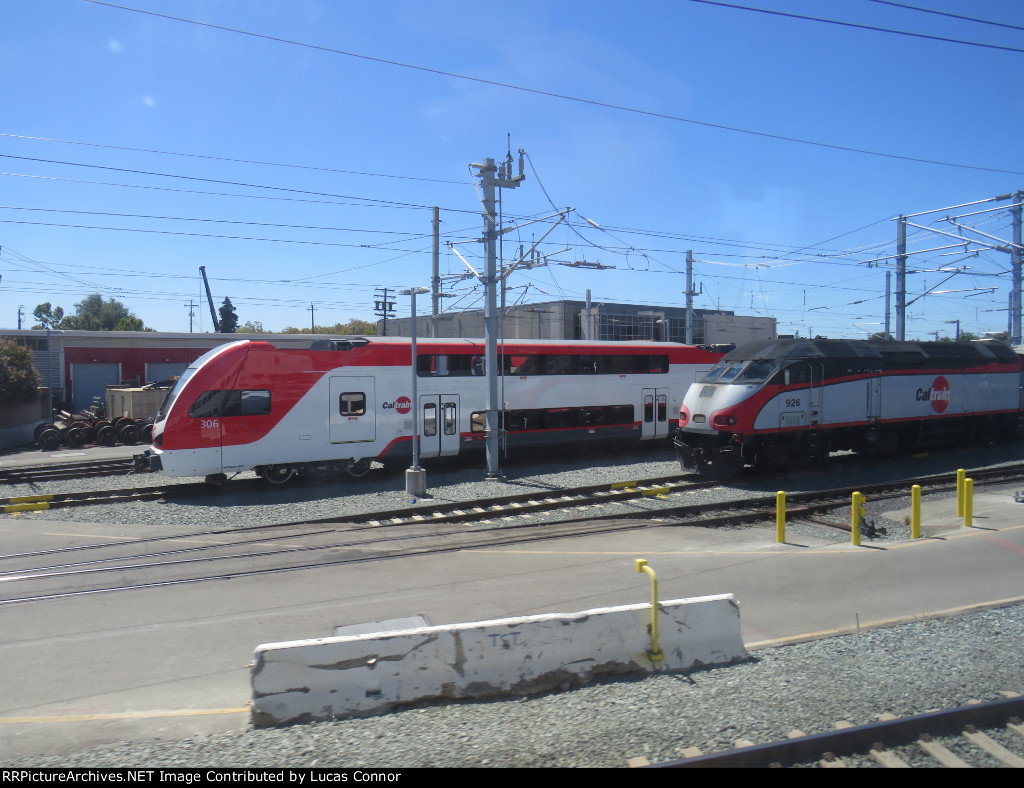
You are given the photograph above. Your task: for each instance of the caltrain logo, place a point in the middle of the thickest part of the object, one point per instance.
(401, 405)
(938, 394)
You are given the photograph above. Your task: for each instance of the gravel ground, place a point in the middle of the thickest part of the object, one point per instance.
(903, 670)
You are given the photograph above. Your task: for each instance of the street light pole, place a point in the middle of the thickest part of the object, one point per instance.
(415, 476)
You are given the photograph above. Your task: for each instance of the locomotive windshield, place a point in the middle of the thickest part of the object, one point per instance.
(716, 371)
(756, 371)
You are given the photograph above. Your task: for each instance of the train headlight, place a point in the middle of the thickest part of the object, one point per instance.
(722, 420)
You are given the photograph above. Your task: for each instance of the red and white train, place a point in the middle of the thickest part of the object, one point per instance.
(342, 403)
(786, 403)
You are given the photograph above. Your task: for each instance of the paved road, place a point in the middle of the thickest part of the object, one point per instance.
(172, 662)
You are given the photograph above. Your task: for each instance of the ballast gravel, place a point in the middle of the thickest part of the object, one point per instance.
(903, 670)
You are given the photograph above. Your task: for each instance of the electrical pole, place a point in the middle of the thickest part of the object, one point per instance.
(435, 279)
(21, 314)
(191, 314)
(382, 307)
(689, 296)
(1016, 257)
(901, 278)
(312, 318)
(888, 295)
(492, 177)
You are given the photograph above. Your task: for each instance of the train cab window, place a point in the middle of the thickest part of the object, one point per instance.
(716, 372)
(254, 402)
(207, 404)
(429, 419)
(757, 371)
(352, 403)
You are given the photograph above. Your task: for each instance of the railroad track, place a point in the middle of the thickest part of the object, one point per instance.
(310, 544)
(981, 735)
(35, 474)
(230, 553)
(44, 501)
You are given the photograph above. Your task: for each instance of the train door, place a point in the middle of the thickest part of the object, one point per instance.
(439, 425)
(654, 414)
(352, 416)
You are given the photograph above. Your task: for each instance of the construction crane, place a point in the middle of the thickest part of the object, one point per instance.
(209, 297)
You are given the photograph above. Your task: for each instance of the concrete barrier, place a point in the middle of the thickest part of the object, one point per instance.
(327, 678)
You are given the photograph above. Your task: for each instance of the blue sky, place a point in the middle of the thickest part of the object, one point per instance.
(301, 171)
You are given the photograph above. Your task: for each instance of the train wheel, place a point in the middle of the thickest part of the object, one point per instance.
(277, 474)
(40, 429)
(106, 435)
(128, 433)
(49, 440)
(358, 468)
(76, 437)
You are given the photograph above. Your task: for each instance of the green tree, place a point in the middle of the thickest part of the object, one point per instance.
(47, 316)
(92, 313)
(18, 378)
(228, 317)
(353, 327)
(251, 327)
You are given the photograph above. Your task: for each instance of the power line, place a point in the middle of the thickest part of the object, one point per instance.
(566, 97)
(850, 24)
(388, 203)
(946, 13)
(234, 161)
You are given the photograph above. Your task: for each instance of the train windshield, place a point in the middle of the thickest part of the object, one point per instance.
(165, 406)
(724, 372)
(757, 371)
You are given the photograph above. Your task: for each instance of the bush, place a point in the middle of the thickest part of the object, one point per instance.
(19, 380)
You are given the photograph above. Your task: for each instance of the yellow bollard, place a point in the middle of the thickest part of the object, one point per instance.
(641, 566)
(856, 512)
(968, 502)
(960, 475)
(780, 516)
(915, 512)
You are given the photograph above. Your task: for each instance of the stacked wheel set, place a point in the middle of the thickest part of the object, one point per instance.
(80, 429)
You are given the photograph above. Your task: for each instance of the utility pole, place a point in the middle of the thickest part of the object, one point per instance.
(435, 278)
(888, 296)
(312, 318)
(1016, 258)
(21, 314)
(901, 278)
(491, 177)
(382, 307)
(689, 296)
(191, 314)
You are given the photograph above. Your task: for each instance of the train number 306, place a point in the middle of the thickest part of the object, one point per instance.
(208, 423)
